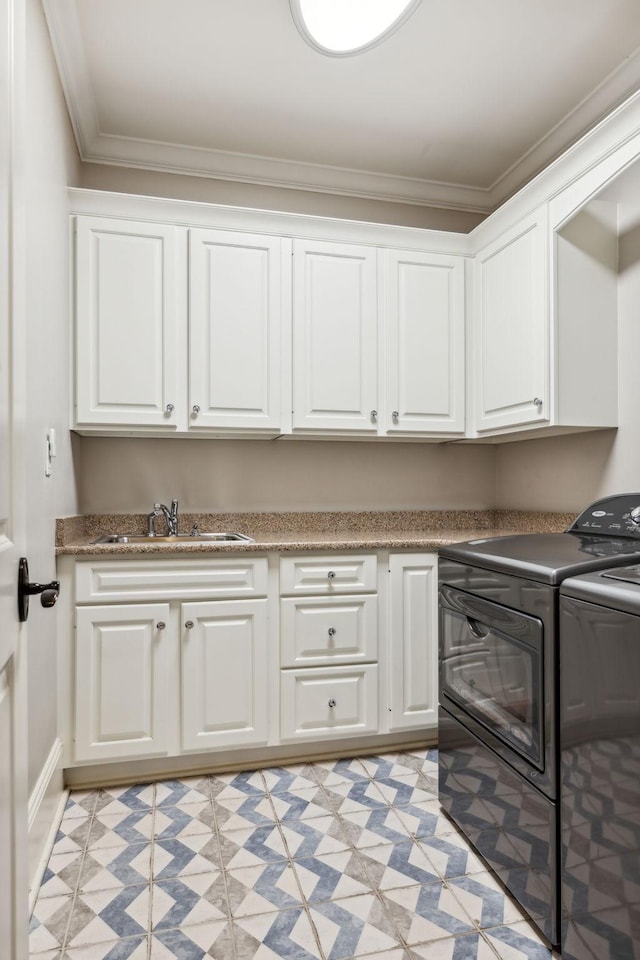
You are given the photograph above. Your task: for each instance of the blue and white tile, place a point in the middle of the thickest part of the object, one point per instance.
(470, 946)
(198, 898)
(393, 865)
(301, 804)
(49, 922)
(238, 813)
(107, 868)
(72, 835)
(106, 914)
(283, 779)
(332, 772)
(426, 912)
(234, 786)
(120, 829)
(387, 765)
(184, 821)
(80, 804)
(255, 890)
(177, 793)
(353, 927)
(330, 877)
(60, 877)
(134, 948)
(369, 828)
(347, 797)
(424, 819)
(484, 900)
(210, 940)
(403, 790)
(285, 935)
(177, 857)
(316, 837)
(451, 856)
(141, 796)
(425, 760)
(251, 846)
(518, 941)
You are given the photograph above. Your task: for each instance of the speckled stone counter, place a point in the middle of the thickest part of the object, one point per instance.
(397, 530)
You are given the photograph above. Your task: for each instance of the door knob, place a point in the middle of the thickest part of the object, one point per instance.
(48, 591)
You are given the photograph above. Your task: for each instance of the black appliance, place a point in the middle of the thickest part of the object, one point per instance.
(498, 731)
(600, 765)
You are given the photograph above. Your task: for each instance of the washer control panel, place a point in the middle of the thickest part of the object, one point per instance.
(617, 516)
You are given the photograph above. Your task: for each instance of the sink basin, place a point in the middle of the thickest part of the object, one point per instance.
(222, 537)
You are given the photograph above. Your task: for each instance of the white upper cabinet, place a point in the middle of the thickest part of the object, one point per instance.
(130, 306)
(511, 328)
(335, 337)
(236, 308)
(423, 355)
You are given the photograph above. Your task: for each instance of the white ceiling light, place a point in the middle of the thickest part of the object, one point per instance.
(341, 27)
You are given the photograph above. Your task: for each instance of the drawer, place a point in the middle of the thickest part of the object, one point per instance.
(331, 702)
(316, 631)
(329, 574)
(176, 578)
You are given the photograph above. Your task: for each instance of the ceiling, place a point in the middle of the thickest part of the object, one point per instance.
(459, 107)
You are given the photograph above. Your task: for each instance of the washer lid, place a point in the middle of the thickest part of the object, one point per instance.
(617, 589)
(545, 557)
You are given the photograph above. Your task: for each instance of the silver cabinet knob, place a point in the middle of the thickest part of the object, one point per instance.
(395, 416)
(537, 402)
(195, 410)
(189, 624)
(331, 575)
(169, 409)
(160, 624)
(332, 631)
(374, 416)
(332, 702)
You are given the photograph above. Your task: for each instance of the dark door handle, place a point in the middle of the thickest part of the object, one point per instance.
(48, 591)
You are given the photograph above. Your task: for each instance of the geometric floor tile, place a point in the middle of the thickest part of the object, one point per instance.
(348, 859)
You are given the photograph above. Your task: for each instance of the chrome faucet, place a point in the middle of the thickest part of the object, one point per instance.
(170, 516)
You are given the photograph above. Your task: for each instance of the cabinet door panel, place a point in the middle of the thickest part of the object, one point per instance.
(335, 336)
(130, 307)
(121, 681)
(236, 316)
(224, 674)
(424, 311)
(413, 638)
(512, 328)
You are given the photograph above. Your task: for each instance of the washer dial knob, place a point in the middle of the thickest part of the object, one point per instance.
(635, 516)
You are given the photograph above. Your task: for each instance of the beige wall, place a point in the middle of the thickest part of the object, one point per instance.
(128, 475)
(207, 190)
(51, 164)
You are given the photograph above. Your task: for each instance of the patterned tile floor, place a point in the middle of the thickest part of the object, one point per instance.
(324, 861)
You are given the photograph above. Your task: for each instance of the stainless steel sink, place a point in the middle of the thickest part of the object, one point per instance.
(221, 537)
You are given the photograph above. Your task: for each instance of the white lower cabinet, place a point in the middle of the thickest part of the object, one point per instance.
(413, 641)
(224, 665)
(329, 702)
(122, 681)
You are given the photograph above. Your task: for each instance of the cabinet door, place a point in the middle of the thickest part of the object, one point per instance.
(237, 313)
(121, 681)
(131, 305)
(224, 674)
(424, 319)
(413, 641)
(335, 335)
(511, 328)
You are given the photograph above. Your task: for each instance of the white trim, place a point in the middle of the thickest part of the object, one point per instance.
(46, 804)
(96, 147)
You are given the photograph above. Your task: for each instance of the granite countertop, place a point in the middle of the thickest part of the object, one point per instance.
(288, 532)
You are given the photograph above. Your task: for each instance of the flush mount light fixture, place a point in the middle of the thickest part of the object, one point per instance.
(343, 27)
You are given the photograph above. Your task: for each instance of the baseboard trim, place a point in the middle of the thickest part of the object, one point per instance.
(46, 804)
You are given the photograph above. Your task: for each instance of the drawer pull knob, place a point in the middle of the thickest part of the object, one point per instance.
(189, 624)
(332, 631)
(395, 416)
(332, 702)
(331, 575)
(374, 416)
(161, 625)
(195, 410)
(169, 409)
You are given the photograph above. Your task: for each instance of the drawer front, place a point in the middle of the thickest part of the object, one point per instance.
(334, 702)
(318, 631)
(328, 575)
(178, 578)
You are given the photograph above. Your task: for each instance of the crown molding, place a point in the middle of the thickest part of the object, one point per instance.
(97, 147)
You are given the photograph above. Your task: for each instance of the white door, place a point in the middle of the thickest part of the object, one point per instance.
(335, 337)
(424, 323)
(237, 312)
(511, 328)
(13, 729)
